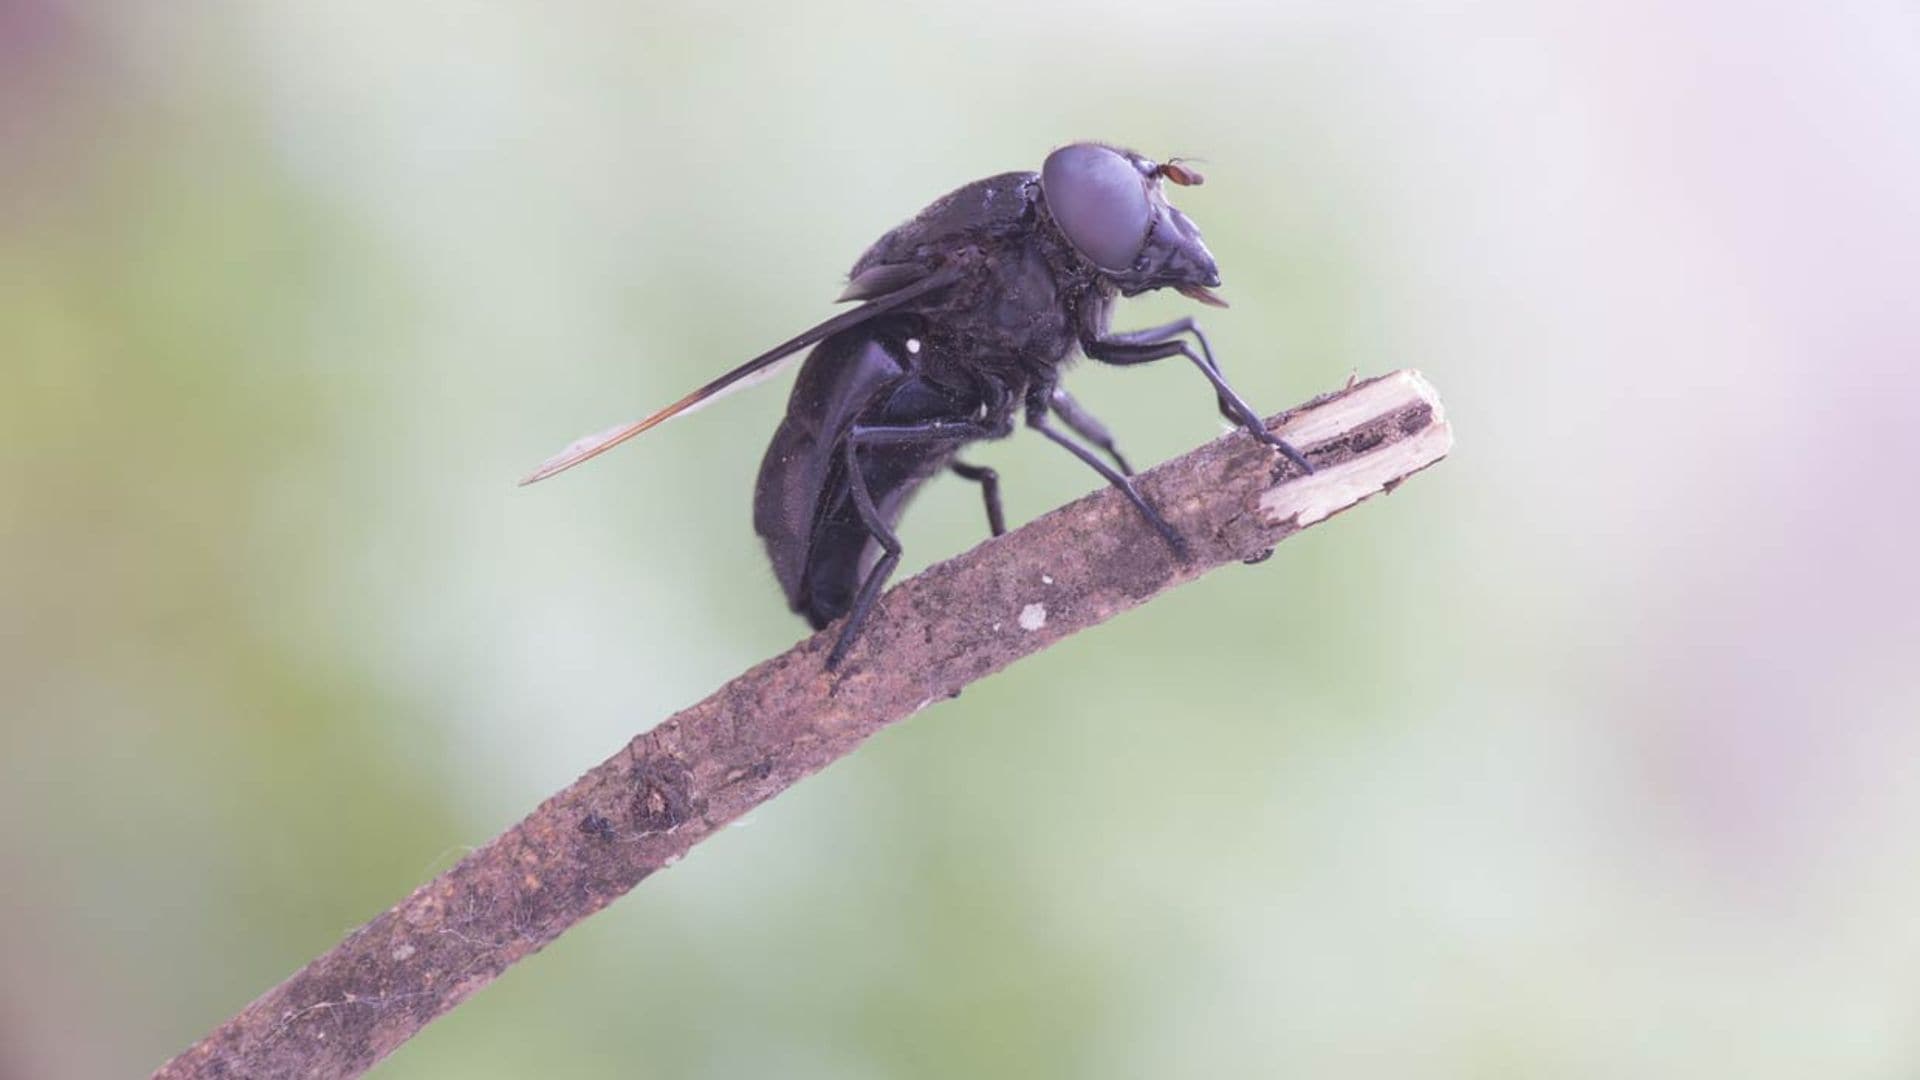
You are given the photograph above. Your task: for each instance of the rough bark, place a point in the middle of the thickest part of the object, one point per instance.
(930, 636)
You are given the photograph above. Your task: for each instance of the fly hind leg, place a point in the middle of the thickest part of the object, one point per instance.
(936, 430)
(876, 578)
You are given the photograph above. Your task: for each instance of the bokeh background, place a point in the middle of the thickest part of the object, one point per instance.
(1590, 753)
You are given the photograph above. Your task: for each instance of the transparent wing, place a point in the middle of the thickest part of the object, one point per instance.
(592, 446)
(753, 371)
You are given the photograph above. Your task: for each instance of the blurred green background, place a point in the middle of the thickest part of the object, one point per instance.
(1590, 753)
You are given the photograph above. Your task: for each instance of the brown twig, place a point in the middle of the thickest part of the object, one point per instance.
(931, 635)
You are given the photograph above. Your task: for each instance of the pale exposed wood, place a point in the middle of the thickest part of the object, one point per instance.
(1336, 487)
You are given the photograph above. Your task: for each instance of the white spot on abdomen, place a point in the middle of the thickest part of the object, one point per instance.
(1033, 616)
(913, 345)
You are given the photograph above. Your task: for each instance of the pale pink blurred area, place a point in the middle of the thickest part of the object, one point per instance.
(1590, 752)
(1772, 674)
(38, 42)
(1696, 315)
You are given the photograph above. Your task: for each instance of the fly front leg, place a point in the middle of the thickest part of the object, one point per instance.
(1182, 325)
(1159, 342)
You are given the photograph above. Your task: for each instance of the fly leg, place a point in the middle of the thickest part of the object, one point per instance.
(1088, 426)
(1037, 420)
(881, 571)
(957, 431)
(1182, 325)
(989, 482)
(1155, 343)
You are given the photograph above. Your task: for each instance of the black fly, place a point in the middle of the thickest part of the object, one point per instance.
(966, 314)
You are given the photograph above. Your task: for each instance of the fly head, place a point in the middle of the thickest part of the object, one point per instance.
(1111, 206)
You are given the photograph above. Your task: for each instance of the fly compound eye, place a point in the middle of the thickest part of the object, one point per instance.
(1099, 199)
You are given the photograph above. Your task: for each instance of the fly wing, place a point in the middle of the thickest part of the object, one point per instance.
(880, 279)
(760, 367)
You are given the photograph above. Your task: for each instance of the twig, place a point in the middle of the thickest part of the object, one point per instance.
(930, 636)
